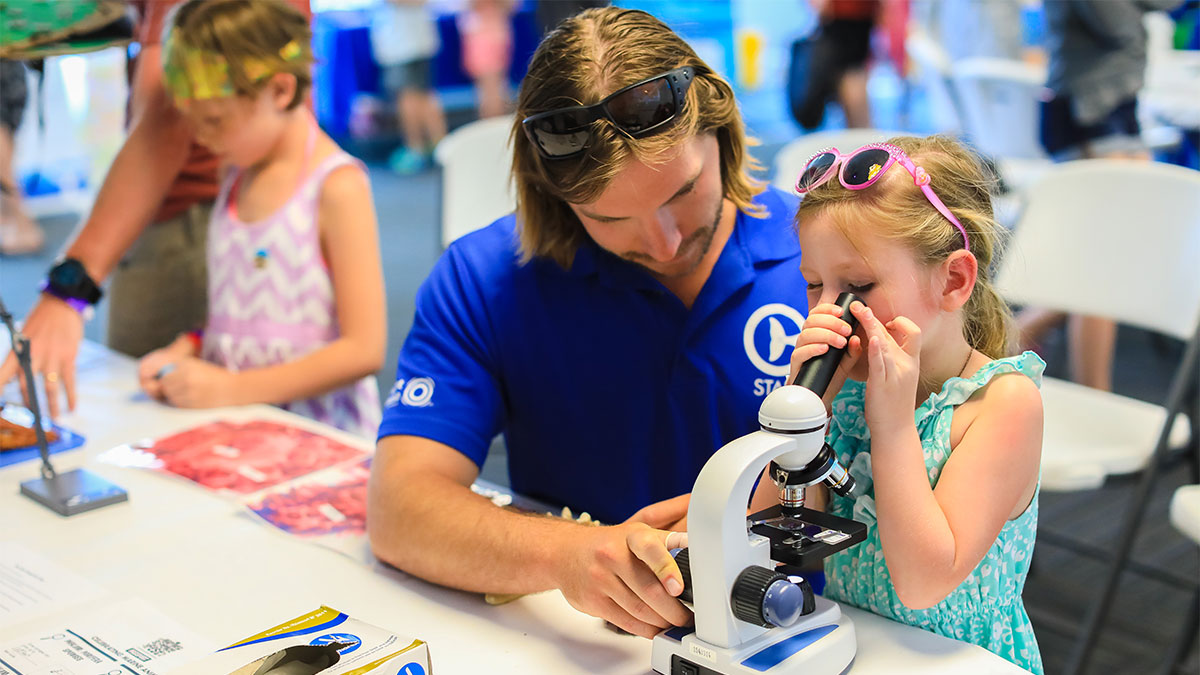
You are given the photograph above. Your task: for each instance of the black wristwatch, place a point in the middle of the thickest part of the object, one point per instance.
(68, 280)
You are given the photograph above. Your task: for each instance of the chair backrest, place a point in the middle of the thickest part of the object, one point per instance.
(476, 161)
(1111, 238)
(932, 74)
(791, 158)
(999, 102)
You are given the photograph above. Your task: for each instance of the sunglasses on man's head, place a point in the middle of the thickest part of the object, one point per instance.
(866, 165)
(638, 110)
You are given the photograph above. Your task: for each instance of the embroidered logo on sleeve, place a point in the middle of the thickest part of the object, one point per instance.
(414, 393)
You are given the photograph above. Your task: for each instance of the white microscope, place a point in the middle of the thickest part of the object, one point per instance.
(752, 614)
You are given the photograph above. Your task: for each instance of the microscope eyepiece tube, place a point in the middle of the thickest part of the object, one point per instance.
(816, 373)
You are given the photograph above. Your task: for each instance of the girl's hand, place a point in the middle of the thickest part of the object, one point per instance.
(825, 328)
(894, 367)
(196, 383)
(150, 366)
(148, 369)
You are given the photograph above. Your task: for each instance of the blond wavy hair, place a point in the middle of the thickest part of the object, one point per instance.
(587, 57)
(899, 211)
(245, 31)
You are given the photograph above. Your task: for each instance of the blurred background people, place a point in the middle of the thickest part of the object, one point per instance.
(487, 41)
(837, 59)
(19, 233)
(404, 41)
(1097, 61)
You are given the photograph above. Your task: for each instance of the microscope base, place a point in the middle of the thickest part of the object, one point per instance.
(821, 643)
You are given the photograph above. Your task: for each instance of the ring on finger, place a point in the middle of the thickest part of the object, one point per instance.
(52, 378)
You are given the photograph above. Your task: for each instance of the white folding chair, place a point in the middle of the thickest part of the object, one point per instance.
(998, 99)
(1185, 511)
(1116, 239)
(1185, 516)
(476, 162)
(932, 73)
(1120, 240)
(791, 158)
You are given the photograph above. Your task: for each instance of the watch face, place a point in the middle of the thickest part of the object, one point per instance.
(67, 274)
(69, 279)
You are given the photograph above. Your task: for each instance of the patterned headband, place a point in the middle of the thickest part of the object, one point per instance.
(193, 74)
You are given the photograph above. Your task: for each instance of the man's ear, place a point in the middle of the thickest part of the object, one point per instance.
(958, 272)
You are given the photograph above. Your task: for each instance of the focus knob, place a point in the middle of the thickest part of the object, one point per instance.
(767, 598)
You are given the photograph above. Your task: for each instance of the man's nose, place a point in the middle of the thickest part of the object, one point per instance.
(662, 237)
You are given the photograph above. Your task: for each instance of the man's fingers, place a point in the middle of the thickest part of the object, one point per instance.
(659, 581)
(676, 540)
(652, 547)
(642, 595)
(616, 615)
(660, 514)
(639, 608)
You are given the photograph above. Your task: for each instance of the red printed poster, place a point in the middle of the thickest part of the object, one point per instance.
(247, 457)
(330, 502)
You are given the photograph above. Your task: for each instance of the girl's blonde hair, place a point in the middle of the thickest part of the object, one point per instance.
(588, 56)
(254, 37)
(898, 210)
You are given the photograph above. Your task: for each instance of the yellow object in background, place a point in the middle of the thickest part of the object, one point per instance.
(749, 54)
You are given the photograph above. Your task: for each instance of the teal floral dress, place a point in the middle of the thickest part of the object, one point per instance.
(986, 608)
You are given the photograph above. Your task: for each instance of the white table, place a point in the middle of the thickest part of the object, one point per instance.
(192, 555)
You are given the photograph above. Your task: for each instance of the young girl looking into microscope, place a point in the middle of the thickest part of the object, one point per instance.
(939, 425)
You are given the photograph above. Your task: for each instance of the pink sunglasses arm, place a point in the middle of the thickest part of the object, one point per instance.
(922, 180)
(937, 204)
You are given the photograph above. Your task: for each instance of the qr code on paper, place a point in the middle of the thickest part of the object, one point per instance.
(162, 647)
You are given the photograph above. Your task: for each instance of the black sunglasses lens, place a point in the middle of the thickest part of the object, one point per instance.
(865, 166)
(563, 133)
(816, 168)
(643, 107)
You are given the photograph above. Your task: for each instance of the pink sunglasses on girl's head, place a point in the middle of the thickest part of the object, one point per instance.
(863, 167)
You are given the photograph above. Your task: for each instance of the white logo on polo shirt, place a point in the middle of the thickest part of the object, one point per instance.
(783, 326)
(416, 393)
(394, 395)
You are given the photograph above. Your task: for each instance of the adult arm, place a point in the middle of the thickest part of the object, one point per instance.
(423, 518)
(133, 190)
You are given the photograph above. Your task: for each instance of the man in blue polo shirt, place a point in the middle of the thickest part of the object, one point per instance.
(622, 327)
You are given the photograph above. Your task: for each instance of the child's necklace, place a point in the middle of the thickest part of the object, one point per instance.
(970, 353)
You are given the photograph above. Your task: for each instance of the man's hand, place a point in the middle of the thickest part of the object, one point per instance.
(196, 383)
(54, 330)
(622, 574)
(669, 514)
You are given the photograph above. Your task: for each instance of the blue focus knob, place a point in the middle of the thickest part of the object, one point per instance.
(783, 603)
(767, 598)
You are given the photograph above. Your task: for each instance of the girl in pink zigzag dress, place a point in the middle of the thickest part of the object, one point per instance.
(296, 311)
